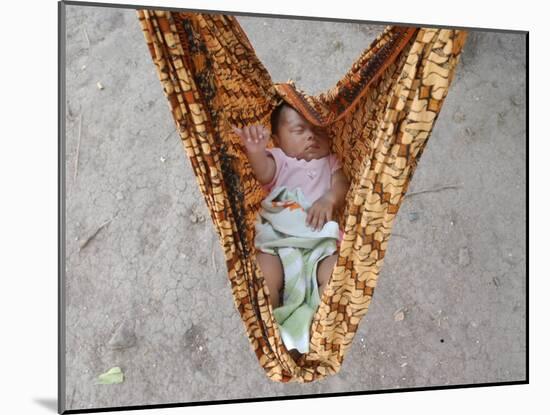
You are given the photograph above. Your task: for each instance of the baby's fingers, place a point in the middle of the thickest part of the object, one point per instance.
(258, 136)
(321, 221)
(309, 217)
(246, 134)
(323, 215)
(316, 220)
(312, 217)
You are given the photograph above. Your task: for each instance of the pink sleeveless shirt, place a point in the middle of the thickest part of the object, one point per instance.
(313, 177)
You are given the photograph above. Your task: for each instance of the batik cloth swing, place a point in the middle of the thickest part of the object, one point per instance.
(379, 116)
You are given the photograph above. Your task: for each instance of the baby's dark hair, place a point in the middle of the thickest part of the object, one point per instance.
(276, 117)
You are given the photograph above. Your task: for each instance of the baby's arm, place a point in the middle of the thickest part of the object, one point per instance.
(322, 210)
(255, 139)
(338, 189)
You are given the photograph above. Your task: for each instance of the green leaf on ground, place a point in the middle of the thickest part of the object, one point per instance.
(113, 375)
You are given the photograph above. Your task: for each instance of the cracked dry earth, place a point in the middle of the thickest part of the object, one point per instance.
(146, 285)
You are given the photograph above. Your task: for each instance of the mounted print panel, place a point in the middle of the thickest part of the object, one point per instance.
(167, 297)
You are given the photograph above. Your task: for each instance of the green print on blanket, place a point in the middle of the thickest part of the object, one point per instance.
(282, 230)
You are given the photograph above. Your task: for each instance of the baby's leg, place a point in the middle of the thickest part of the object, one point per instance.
(324, 271)
(272, 268)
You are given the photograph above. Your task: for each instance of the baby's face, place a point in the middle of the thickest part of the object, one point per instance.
(298, 138)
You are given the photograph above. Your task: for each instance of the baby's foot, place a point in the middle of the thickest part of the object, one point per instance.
(295, 354)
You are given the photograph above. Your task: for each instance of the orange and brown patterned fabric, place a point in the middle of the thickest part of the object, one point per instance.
(379, 116)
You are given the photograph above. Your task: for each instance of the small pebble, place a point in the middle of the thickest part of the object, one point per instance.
(123, 337)
(162, 159)
(404, 364)
(399, 315)
(83, 67)
(99, 85)
(119, 196)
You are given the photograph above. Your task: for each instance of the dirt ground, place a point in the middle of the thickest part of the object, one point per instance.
(149, 291)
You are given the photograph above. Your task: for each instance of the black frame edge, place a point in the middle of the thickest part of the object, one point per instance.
(61, 93)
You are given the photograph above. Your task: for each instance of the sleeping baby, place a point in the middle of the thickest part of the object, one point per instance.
(302, 175)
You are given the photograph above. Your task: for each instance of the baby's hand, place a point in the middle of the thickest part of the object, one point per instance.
(254, 137)
(320, 213)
